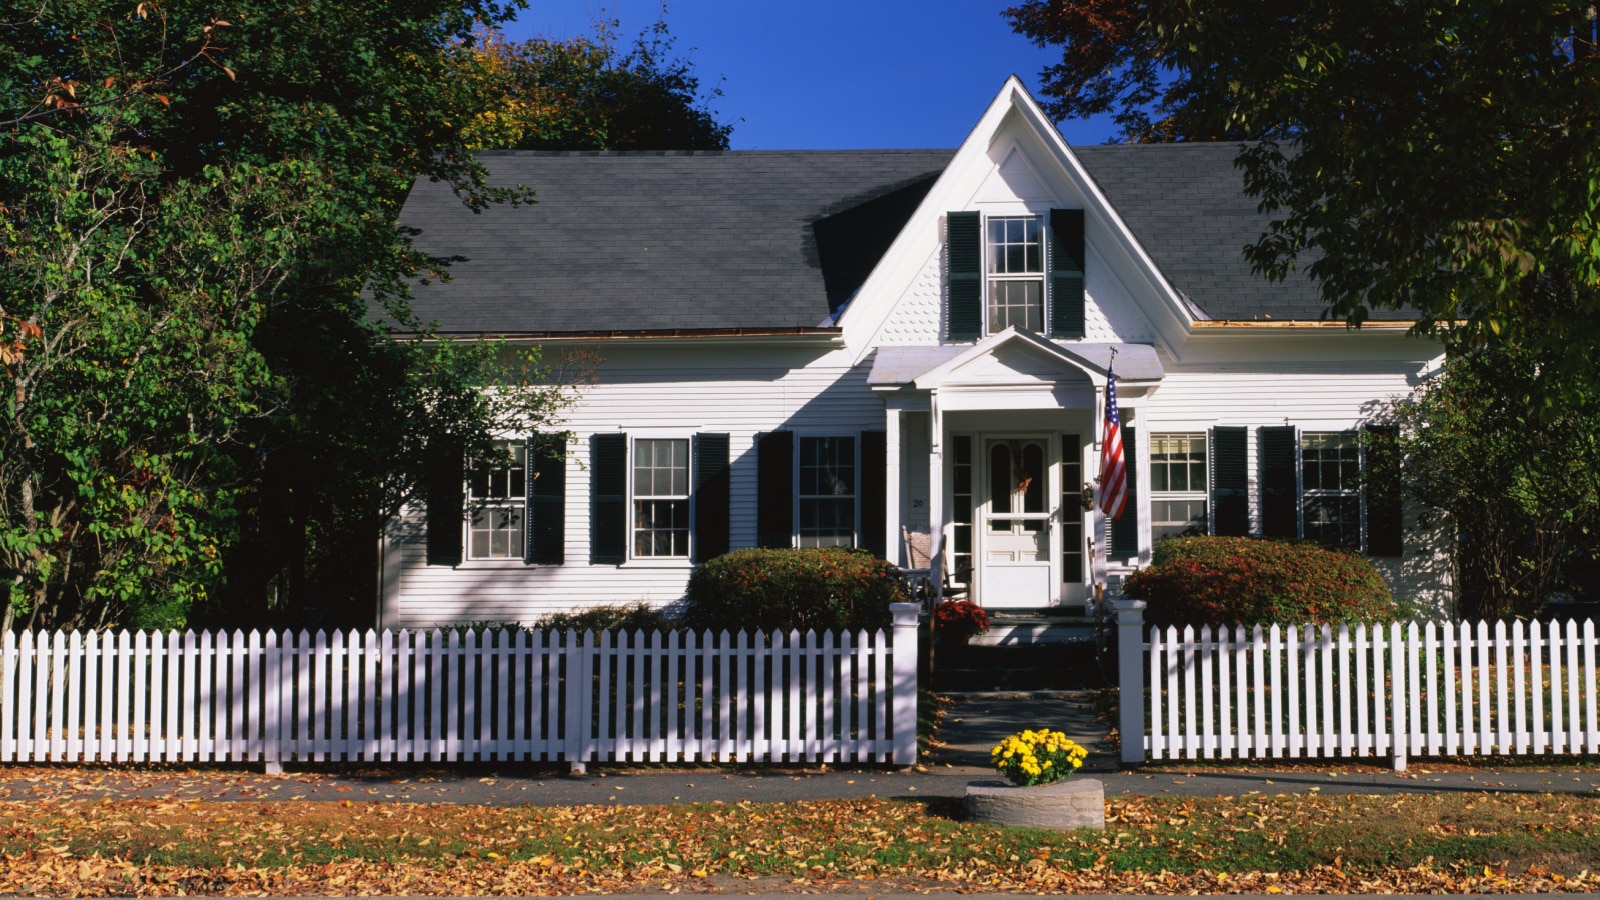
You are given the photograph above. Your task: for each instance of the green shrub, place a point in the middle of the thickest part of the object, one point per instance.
(1245, 581)
(764, 590)
(633, 617)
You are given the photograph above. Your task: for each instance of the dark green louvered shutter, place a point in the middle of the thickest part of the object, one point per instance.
(547, 502)
(775, 489)
(964, 308)
(1385, 534)
(711, 496)
(1067, 265)
(1280, 482)
(1125, 531)
(874, 479)
(446, 504)
(608, 499)
(1230, 481)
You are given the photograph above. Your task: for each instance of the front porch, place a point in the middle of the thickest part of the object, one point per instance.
(992, 453)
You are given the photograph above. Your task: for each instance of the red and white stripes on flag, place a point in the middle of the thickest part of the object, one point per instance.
(1113, 472)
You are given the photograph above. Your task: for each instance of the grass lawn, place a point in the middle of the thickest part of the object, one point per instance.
(1288, 844)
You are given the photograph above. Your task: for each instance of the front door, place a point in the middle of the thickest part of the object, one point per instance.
(1016, 537)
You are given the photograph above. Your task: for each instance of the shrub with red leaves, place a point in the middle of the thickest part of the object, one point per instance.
(1245, 581)
(958, 620)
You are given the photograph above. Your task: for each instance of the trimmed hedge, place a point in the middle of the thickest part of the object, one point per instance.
(638, 616)
(1245, 581)
(766, 589)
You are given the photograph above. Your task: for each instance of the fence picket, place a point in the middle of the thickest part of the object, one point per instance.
(1575, 723)
(1590, 649)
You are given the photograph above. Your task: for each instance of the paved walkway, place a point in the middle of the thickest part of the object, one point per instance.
(974, 724)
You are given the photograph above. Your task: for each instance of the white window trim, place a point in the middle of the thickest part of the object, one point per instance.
(799, 438)
(1360, 492)
(518, 559)
(1203, 495)
(631, 561)
(1044, 260)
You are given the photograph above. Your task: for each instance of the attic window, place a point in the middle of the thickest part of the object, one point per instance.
(1015, 252)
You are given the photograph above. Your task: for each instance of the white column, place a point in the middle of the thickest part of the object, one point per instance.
(936, 492)
(892, 486)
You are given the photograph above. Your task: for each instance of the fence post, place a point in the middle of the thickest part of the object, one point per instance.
(1130, 677)
(904, 696)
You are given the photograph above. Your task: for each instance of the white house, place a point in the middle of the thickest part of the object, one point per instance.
(831, 347)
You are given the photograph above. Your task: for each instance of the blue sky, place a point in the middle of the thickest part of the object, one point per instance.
(831, 74)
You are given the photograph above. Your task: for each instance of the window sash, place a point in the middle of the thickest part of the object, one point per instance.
(660, 470)
(828, 490)
(1332, 502)
(1179, 496)
(496, 500)
(1014, 253)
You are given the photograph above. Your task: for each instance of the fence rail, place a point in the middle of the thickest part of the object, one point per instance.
(1398, 690)
(449, 695)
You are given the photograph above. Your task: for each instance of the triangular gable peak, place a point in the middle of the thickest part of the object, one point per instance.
(1014, 161)
(1012, 357)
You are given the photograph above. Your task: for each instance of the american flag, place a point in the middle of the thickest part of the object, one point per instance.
(1113, 474)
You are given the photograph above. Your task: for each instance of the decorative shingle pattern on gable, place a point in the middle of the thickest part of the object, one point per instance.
(637, 241)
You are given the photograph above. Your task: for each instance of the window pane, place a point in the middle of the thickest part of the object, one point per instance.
(1169, 518)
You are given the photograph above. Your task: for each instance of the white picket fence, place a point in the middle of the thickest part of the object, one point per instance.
(460, 695)
(1345, 691)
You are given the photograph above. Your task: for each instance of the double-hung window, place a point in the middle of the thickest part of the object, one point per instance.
(1015, 251)
(1177, 485)
(1330, 472)
(497, 498)
(660, 497)
(827, 492)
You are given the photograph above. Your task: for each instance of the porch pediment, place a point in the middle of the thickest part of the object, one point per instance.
(1012, 358)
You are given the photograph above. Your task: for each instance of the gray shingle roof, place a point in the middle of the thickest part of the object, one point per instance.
(1186, 205)
(643, 240)
(780, 239)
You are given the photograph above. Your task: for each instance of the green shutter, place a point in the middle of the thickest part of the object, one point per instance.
(775, 490)
(446, 504)
(1067, 267)
(1230, 481)
(1280, 482)
(1385, 533)
(711, 496)
(547, 502)
(1125, 531)
(964, 311)
(874, 492)
(608, 499)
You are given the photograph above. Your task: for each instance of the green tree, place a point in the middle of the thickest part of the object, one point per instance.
(1437, 157)
(1521, 493)
(583, 94)
(198, 227)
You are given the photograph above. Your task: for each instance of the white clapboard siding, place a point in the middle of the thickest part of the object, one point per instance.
(455, 695)
(1397, 690)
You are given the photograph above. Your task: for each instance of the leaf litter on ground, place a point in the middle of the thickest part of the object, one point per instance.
(1255, 844)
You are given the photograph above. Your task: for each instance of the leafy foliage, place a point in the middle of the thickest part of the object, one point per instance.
(957, 621)
(584, 94)
(768, 589)
(1248, 581)
(627, 617)
(1521, 493)
(1434, 157)
(199, 414)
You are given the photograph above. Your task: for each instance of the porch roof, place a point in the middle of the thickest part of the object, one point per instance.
(901, 366)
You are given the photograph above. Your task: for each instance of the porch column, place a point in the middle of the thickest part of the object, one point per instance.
(891, 517)
(936, 492)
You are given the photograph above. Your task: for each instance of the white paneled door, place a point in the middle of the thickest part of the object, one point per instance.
(1018, 512)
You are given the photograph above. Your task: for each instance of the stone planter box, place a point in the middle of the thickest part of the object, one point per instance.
(1074, 803)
